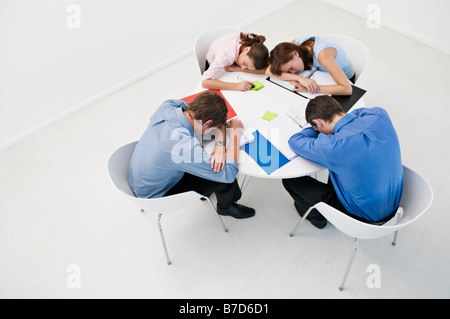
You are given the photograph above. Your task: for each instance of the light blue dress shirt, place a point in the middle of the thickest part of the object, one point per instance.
(167, 150)
(363, 158)
(323, 43)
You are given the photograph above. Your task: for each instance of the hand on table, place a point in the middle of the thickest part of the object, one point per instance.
(244, 86)
(305, 85)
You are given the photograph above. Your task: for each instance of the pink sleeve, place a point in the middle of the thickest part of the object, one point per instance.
(222, 52)
(216, 68)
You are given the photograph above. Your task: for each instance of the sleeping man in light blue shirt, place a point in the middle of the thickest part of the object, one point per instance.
(169, 158)
(362, 153)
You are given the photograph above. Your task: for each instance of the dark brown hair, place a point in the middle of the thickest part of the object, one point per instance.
(258, 51)
(209, 106)
(322, 107)
(284, 52)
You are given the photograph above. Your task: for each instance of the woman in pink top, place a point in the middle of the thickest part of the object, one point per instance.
(235, 52)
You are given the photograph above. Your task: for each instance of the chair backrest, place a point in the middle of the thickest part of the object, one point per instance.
(203, 42)
(118, 168)
(356, 51)
(416, 200)
(417, 196)
(118, 164)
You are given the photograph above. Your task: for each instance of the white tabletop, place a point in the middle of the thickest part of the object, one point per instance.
(251, 106)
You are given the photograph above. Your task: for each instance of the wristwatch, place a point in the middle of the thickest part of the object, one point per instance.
(220, 143)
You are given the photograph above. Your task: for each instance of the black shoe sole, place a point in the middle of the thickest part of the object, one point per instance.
(243, 216)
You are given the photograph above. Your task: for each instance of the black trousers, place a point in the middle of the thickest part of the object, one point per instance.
(307, 191)
(227, 194)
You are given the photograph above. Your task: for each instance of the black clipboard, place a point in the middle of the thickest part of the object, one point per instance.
(346, 101)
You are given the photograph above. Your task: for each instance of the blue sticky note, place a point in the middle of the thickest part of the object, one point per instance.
(265, 154)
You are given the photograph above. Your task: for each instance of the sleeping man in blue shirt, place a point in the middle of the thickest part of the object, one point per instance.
(362, 154)
(169, 158)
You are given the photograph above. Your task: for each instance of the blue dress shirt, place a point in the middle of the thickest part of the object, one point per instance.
(167, 150)
(363, 158)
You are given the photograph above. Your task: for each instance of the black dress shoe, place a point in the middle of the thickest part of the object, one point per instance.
(314, 217)
(237, 211)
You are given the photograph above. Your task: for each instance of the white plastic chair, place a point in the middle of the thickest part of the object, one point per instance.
(118, 171)
(356, 51)
(416, 200)
(204, 41)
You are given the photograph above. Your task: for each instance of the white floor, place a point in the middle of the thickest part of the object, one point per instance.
(62, 223)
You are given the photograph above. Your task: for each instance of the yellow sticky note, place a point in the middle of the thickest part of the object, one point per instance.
(257, 86)
(269, 116)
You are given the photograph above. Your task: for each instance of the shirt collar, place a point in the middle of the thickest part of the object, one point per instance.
(347, 118)
(182, 118)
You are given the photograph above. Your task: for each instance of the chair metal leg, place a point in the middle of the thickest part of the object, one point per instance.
(300, 222)
(399, 216)
(245, 183)
(162, 239)
(394, 242)
(350, 262)
(220, 219)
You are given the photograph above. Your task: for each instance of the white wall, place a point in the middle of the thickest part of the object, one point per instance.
(50, 68)
(423, 20)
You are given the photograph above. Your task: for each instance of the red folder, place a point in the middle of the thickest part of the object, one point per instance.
(231, 112)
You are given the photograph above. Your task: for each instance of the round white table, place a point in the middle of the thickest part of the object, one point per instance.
(251, 106)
